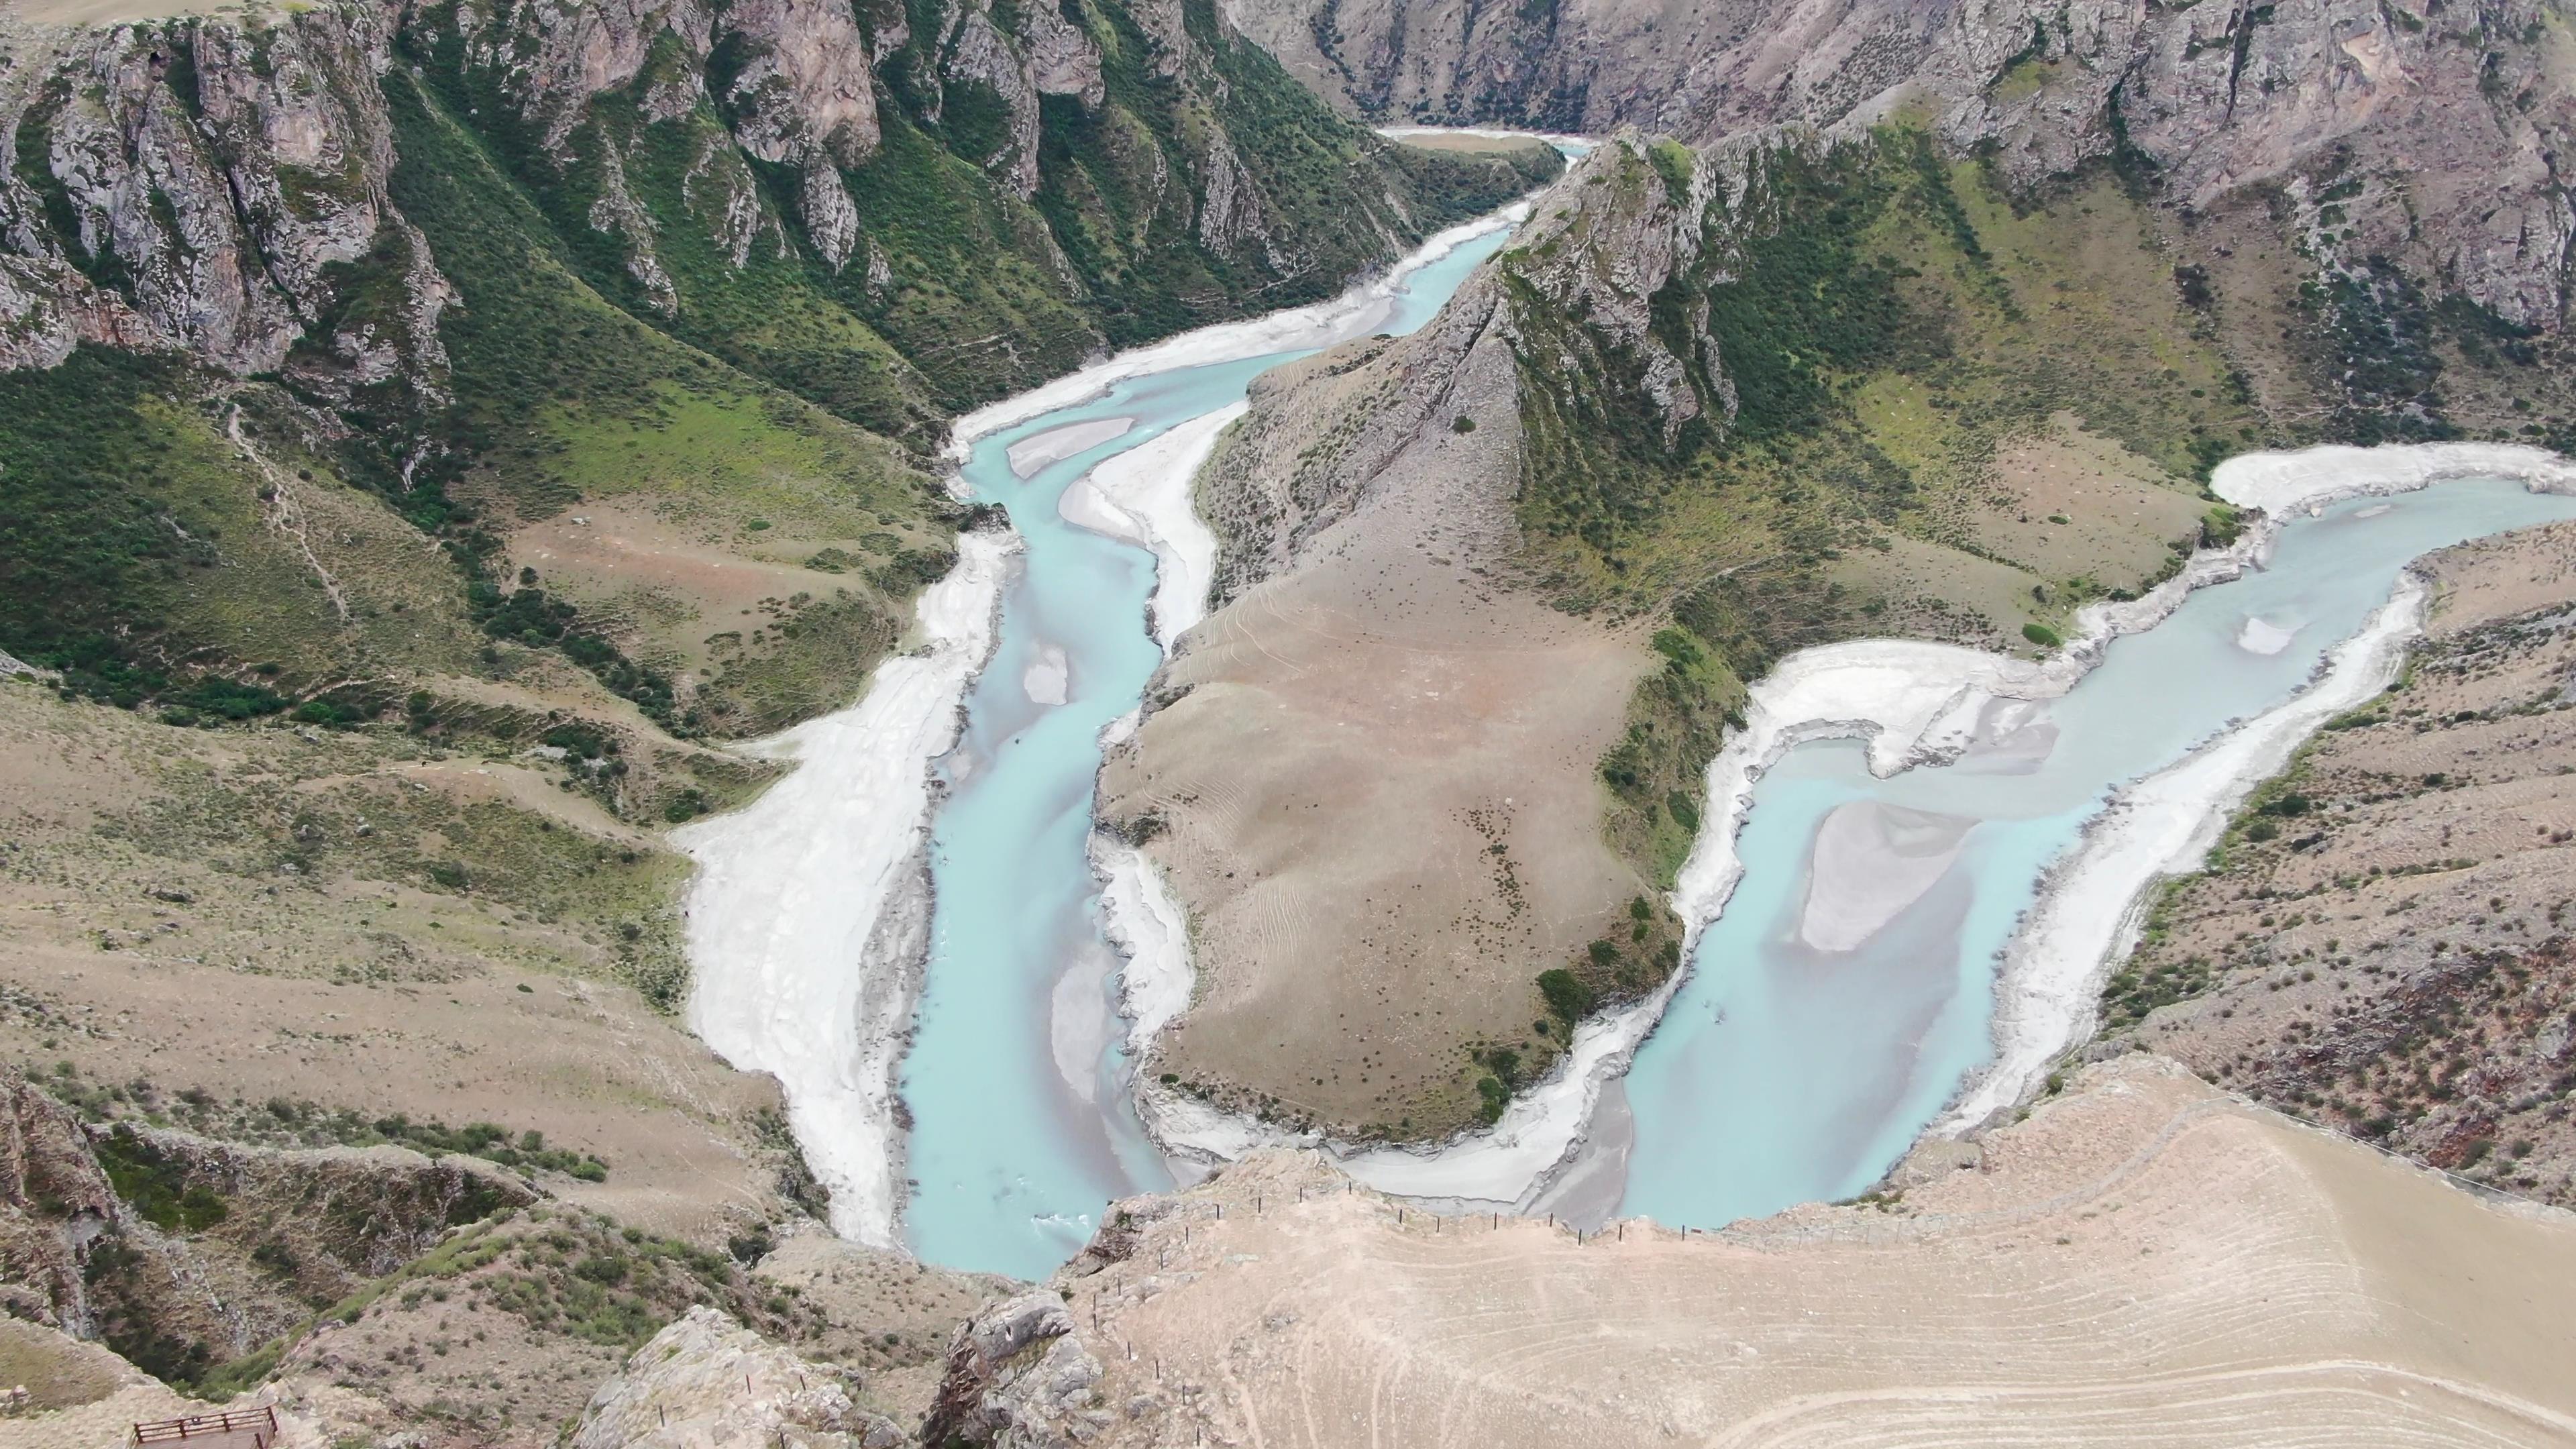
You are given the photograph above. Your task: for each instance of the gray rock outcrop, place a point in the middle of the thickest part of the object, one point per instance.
(1018, 1376)
(2445, 120)
(707, 1382)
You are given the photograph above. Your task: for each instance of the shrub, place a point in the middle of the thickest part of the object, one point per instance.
(2041, 635)
(1566, 995)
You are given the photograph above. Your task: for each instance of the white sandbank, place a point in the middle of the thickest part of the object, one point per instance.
(2262, 636)
(1148, 927)
(1048, 676)
(1355, 313)
(1142, 496)
(1917, 702)
(1559, 139)
(1871, 862)
(807, 915)
(1041, 450)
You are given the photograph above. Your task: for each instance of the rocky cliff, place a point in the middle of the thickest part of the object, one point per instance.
(227, 187)
(481, 263)
(2444, 122)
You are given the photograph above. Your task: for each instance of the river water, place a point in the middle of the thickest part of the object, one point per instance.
(1834, 1006)
(1018, 1090)
(1847, 988)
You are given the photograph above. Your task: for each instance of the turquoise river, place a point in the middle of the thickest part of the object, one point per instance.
(1786, 1071)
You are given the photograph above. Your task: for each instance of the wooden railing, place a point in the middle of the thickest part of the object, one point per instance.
(259, 1423)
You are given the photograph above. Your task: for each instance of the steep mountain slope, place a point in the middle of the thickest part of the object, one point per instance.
(464, 260)
(2447, 115)
(2379, 942)
(427, 430)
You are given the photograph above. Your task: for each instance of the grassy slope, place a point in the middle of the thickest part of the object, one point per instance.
(958, 291)
(150, 555)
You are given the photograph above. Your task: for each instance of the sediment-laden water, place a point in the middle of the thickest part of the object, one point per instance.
(1016, 1082)
(1847, 989)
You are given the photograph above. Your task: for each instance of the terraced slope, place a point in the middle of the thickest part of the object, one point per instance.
(2144, 1260)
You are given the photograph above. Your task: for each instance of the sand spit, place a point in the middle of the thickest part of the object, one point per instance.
(1142, 496)
(808, 917)
(1915, 702)
(1355, 313)
(1872, 862)
(1030, 455)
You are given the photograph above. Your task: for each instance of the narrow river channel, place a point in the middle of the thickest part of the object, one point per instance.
(1016, 1084)
(1849, 986)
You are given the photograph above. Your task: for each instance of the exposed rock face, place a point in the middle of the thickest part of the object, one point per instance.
(224, 186)
(1062, 60)
(180, 1251)
(2448, 118)
(1018, 1376)
(806, 93)
(707, 1382)
(57, 1202)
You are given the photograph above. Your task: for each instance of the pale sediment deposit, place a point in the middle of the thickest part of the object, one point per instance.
(806, 920)
(1039, 451)
(1355, 313)
(1142, 496)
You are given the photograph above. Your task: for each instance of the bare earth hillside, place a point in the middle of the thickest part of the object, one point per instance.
(2143, 1261)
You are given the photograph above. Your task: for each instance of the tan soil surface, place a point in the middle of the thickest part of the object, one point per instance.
(56, 1370)
(1381, 806)
(2144, 1261)
(2393, 958)
(693, 592)
(2122, 511)
(1473, 145)
(155, 924)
